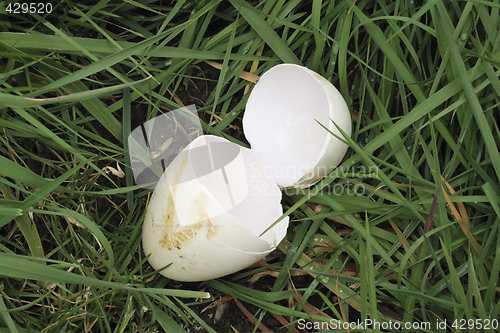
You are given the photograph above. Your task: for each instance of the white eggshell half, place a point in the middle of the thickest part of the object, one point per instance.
(281, 123)
(208, 210)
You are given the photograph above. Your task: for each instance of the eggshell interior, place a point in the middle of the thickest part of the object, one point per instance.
(281, 122)
(205, 218)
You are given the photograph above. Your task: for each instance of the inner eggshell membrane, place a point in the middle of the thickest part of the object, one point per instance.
(239, 182)
(282, 126)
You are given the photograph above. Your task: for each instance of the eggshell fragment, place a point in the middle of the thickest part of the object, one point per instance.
(208, 210)
(281, 123)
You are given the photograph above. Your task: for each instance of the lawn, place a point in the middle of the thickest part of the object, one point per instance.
(405, 233)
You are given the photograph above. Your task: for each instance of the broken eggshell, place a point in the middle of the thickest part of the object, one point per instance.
(208, 210)
(281, 122)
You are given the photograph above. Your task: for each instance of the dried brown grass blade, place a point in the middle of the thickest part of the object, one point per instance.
(251, 317)
(244, 75)
(255, 65)
(283, 321)
(461, 216)
(217, 303)
(309, 307)
(430, 218)
(256, 277)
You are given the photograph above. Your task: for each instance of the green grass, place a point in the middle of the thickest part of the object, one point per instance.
(420, 244)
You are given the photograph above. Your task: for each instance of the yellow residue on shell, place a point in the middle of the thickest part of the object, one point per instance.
(174, 236)
(199, 213)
